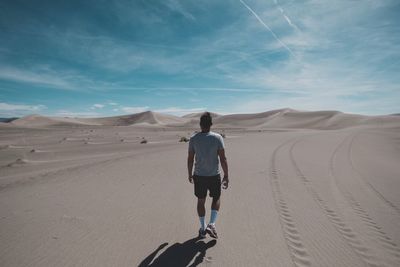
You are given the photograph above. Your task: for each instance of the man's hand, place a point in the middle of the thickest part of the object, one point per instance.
(224, 165)
(190, 161)
(225, 182)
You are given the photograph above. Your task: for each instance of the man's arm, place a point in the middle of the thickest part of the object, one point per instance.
(224, 165)
(190, 161)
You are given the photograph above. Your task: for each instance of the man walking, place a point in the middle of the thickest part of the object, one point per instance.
(206, 147)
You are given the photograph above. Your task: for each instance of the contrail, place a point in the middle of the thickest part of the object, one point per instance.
(268, 28)
(289, 21)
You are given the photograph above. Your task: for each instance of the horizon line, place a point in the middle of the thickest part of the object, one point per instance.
(180, 116)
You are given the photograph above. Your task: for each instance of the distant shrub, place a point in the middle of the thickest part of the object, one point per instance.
(223, 135)
(144, 141)
(184, 139)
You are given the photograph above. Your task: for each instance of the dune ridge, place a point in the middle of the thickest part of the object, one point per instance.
(36, 120)
(280, 118)
(143, 118)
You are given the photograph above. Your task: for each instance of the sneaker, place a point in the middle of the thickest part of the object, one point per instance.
(202, 233)
(212, 231)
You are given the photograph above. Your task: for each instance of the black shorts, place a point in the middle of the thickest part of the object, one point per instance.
(204, 183)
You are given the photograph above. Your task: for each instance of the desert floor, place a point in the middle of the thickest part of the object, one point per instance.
(95, 196)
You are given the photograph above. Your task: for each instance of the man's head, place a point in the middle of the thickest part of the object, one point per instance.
(205, 121)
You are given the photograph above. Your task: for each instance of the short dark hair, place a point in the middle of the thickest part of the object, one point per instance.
(206, 120)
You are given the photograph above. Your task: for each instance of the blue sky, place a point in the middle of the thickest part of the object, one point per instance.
(104, 58)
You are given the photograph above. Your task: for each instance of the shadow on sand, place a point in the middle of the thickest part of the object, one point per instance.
(179, 254)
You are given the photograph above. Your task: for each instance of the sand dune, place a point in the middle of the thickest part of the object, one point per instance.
(147, 117)
(309, 189)
(289, 118)
(282, 118)
(40, 121)
(328, 120)
(197, 115)
(249, 120)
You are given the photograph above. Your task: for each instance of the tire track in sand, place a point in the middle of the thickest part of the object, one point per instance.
(374, 228)
(296, 248)
(347, 234)
(367, 183)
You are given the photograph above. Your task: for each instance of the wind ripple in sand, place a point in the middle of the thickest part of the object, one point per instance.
(384, 240)
(54, 173)
(367, 183)
(297, 250)
(41, 151)
(72, 139)
(344, 230)
(88, 157)
(100, 143)
(18, 147)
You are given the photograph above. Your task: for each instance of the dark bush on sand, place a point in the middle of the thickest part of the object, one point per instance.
(184, 139)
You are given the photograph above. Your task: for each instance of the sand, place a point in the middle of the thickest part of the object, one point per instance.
(307, 189)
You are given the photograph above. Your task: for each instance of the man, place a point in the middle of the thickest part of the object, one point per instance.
(206, 147)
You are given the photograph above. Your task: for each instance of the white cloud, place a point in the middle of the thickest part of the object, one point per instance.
(32, 77)
(179, 111)
(17, 110)
(97, 106)
(18, 107)
(175, 5)
(48, 76)
(195, 90)
(112, 103)
(134, 109)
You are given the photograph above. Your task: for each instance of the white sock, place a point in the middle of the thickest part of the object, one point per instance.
(213, 216)
(203, 222)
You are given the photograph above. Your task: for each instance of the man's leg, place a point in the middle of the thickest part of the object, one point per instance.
(211, 230)
(215, 193)
(201, 207)
(216, 202)
(201, 211)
